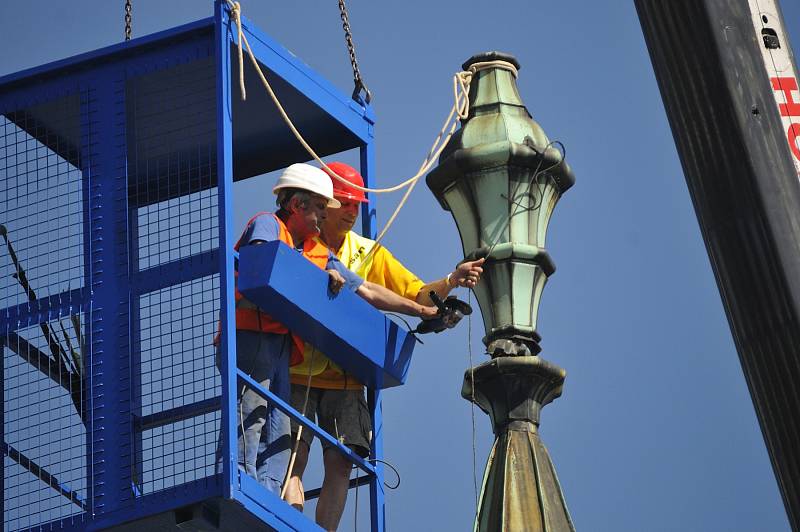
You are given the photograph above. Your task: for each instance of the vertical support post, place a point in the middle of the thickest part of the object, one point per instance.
(88, 362)
(2, 427)
(368, 221)
(135, 321)
(136, 352)
(377, 495)
(376, 490)
(227, 350)
(110, 368)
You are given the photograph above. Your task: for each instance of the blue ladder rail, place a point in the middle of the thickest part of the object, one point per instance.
(283, 406)
(182, 413)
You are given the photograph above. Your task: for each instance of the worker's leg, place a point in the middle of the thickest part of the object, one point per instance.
(343, 414)
(251, 349)
(295, 493)
(274, 444)
(334, 489)
(306, 404)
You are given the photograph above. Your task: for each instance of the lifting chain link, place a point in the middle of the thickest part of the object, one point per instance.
(351, 49)
(128, 19)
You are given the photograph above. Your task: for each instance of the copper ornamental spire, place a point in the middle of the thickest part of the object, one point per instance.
(501, 178)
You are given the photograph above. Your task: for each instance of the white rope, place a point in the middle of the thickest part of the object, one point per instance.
(460, 110)
(296, 445)
(236, 10)
(461, 82)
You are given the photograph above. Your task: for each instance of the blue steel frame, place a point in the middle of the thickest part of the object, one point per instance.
(356, 116)
(107, 297)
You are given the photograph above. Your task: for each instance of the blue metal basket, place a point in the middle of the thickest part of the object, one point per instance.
(116, 177)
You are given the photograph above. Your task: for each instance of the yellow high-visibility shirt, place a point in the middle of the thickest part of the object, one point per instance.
(380, 268)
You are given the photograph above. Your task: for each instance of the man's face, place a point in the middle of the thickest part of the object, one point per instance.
(341, 220)
(312, 215)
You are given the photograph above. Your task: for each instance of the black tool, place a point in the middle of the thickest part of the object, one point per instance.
(451, 310)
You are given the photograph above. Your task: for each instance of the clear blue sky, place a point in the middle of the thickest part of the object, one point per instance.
(655, 430)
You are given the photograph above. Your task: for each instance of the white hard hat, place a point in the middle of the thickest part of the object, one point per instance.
(307, 177)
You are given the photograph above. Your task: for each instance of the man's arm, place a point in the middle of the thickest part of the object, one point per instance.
(375, 294)
(261, 229)
(378, 296)
(384, 299)
(391, 273)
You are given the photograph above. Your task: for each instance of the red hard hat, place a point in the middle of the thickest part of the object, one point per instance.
(341, 190)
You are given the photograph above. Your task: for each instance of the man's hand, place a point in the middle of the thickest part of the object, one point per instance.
(467, 274)
(427, 313)
(336, 281)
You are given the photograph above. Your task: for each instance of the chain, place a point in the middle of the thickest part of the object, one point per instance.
(128, 19)
(351, 49)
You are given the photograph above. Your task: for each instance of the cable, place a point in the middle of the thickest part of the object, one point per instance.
(460, 110)
(393, 468)
(534, 177)
(299, 429)
(401, 318)
(244, 436)
(409, 329)
(472, 403)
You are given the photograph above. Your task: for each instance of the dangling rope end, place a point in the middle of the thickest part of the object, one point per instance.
(236, 16)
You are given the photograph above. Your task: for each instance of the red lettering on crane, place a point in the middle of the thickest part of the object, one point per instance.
(789, 110)
(793, 136)
(786, 86)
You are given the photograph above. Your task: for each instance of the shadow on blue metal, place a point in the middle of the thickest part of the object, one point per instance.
(116, 272)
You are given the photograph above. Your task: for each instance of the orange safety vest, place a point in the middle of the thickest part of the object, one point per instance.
(249, 317)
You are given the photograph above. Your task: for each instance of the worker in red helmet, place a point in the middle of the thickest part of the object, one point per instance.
(335, 399)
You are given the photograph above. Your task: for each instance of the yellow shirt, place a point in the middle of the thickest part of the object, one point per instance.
(379, 268)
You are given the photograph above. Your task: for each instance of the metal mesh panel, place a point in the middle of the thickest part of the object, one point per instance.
(177, 355)
(174, 220)
(41, 256)
(44, 436)
(179, 452)
(172, 162)
(171, 132)
(41, 200)
(179, 371)
(178, 228)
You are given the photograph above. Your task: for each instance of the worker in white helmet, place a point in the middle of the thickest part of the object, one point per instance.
(265, 347)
